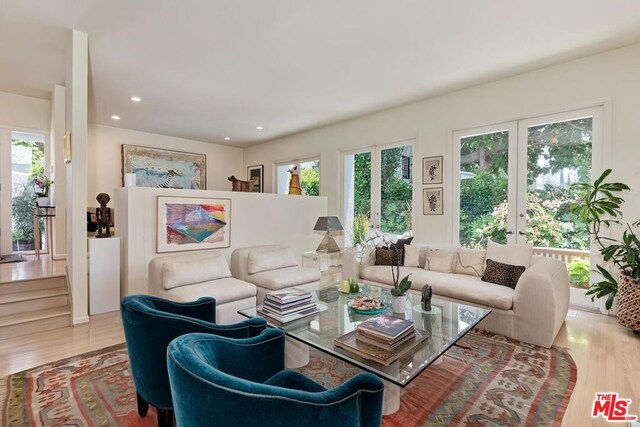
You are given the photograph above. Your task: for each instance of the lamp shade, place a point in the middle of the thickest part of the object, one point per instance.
(328, 223)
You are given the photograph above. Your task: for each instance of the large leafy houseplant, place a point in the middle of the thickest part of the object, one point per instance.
(600, 208)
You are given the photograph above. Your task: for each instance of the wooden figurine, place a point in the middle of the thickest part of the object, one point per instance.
(239, 185)
(103, 215)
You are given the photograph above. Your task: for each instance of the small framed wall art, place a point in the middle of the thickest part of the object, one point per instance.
(432, 170)
(190, 223)
(256, 174)
(432, 201)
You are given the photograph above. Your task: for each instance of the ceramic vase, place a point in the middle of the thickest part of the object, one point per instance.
(399, 303)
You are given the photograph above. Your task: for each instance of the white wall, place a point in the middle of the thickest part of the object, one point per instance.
(105, 158)
(611, 78)
(24, 113)
(256, 219)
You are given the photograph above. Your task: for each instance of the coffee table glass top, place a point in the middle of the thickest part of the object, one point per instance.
(446, 323)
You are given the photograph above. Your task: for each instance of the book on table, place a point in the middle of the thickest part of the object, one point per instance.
(285, 296)
(387, 345)
(385, 328)
(313, 309)
(377, 354)
(289, 304)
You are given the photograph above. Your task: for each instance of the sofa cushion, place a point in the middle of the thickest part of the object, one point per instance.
(388, 256)
(400, 244)
(502, 274)
(440, 260)
(510, 254)
(412, 256)
(223, 290)
(285, 277)
(469, 261)
(460, 287)
(271, 259)
(182, 273)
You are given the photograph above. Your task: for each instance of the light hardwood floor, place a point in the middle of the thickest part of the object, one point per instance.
(606, 355)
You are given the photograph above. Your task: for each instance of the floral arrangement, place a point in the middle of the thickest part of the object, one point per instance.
(387, 241)
(41, 185)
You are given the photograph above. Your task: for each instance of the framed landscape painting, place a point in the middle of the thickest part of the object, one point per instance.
(189, 223)
(432, 170)
(155, 167)
(432, 201)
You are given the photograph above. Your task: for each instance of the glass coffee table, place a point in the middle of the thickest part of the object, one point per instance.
(446, 323)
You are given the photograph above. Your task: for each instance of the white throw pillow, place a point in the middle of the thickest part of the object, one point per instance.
(510, 254)
(440, 260)
(185, 273)
(411, 256)
(469, 261)
(273, 259)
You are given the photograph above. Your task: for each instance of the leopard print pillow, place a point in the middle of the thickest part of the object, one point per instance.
(502, 274)
(388, 256)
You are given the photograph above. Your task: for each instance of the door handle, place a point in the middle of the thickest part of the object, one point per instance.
(522, 233)
(509, 232)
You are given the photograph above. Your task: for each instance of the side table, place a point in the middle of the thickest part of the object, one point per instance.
(329, 264)
(48, 213)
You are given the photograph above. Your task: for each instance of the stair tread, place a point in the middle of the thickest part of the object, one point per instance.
(32, 295)
(31, 279)
(14, 319)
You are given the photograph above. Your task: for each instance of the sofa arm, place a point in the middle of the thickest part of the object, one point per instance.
(541, 301)
(350, 264)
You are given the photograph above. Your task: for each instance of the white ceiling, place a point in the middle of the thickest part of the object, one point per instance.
(214, 68)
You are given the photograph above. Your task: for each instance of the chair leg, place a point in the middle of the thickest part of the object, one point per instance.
(143, 406)
(165, 417)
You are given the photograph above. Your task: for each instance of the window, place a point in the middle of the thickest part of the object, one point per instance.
(308, 171)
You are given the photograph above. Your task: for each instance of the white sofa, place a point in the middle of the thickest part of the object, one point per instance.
(271, 268)
(533, 312)
(191, 275)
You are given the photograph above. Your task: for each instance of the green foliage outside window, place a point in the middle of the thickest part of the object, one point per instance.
(310, 181)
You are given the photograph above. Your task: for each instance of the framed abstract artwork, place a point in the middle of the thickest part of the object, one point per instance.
(256, 172)
(190, 223)
(155, 167)
(432, 201)
(432, 170)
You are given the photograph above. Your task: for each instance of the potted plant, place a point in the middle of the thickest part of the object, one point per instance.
(41, 185)
(359, 232)
(400, 286)
(601, 207)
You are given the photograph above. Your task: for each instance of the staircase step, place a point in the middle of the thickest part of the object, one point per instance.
(24, 302)
(14, 325)
(32, 285)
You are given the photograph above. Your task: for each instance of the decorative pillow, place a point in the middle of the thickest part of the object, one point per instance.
(502, 274)
(401, 243)
(469, 261)
(510, 254)
(412, 256)
(439, 260)
(175, 274)
(386, 256)
(273, 259)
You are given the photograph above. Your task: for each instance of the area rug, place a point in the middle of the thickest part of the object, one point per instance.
(5, 259)
(484, 380)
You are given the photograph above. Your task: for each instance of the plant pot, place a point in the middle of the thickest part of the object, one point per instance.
(628, 303)
(399, 304)
(43, 201)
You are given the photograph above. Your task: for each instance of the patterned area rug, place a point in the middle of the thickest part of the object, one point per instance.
(485, 380)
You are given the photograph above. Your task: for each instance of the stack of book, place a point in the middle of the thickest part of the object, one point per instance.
(383, 339)
(288, 305)
(386, 332)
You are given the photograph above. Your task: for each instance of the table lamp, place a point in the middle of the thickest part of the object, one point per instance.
(328, 224)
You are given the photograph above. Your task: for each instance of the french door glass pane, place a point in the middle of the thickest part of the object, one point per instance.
(27, 160)
(396, 189)
(309, 178)
(558, 155)
(357, 189)
(484, 161)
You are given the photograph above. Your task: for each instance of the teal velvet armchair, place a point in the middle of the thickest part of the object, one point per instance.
(242, 382)
(150, 323)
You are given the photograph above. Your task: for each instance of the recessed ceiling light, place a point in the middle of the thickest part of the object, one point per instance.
(226, 138)
(114, 117)
(136, 99)
(259, 127)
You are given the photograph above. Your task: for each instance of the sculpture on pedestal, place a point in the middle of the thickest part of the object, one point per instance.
(103, 215)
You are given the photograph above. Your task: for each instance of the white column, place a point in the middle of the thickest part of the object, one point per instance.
(59, 175)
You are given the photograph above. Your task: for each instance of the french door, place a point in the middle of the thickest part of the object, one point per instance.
(515, 185)
(378, 184)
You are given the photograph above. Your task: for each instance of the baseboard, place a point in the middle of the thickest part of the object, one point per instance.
(80, 320)
(59, 257)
